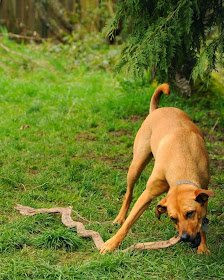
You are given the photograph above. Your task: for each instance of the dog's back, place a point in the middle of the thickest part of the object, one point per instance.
(168, 120)
(178, 143)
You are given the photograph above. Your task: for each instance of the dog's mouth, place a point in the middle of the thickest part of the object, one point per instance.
(196, 242)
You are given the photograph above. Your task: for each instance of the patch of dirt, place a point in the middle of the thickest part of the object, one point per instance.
(136, 118)
(217, 163)
(33, 171)
(217, 157)
(85, 136)
(114, 162)
(213, 138)
(216, 151)
(120, 132)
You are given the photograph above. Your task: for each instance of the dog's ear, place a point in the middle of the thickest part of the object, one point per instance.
(161, 207)
(202, 195)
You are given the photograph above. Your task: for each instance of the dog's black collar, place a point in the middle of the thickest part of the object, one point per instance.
(187, 182)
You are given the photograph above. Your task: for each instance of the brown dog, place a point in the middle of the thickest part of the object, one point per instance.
(181, 168)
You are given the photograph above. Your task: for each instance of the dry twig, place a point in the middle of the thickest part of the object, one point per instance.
(83, 232)
(214, 126)
(25, 57)
(18, 36)
(154, 245)
(66, 220)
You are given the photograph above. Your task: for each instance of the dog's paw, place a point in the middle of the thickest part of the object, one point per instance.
(109, 245)
(119, 220)
(203, 250)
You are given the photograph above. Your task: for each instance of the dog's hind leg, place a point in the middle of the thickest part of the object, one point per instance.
(137, 166)
(142, 155)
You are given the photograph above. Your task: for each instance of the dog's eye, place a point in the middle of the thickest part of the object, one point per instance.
(190, 214)
(174, 220)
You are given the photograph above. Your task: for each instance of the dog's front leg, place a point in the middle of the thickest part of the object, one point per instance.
(202, 248)
(141, 204)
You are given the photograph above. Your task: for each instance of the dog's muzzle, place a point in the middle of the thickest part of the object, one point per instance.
(195, 242)
(185, 237)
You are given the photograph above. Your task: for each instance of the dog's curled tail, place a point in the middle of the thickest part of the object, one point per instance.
(164, 88)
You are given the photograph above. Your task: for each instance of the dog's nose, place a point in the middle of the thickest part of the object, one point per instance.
(185, 237)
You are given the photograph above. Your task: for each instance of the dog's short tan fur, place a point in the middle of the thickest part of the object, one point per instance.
(180, 154)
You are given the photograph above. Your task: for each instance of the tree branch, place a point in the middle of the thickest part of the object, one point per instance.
(83, 232)
(11, 35)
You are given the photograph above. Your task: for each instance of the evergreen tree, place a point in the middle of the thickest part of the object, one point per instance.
(179, 40)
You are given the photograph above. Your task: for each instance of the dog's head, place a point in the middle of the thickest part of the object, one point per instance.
(186, 206)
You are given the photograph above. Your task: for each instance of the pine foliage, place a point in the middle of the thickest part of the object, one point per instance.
(172, 37)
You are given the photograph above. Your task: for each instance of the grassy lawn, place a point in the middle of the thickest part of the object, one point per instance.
(67, 128)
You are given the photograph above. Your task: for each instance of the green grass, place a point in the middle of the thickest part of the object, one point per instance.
(76, 151)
